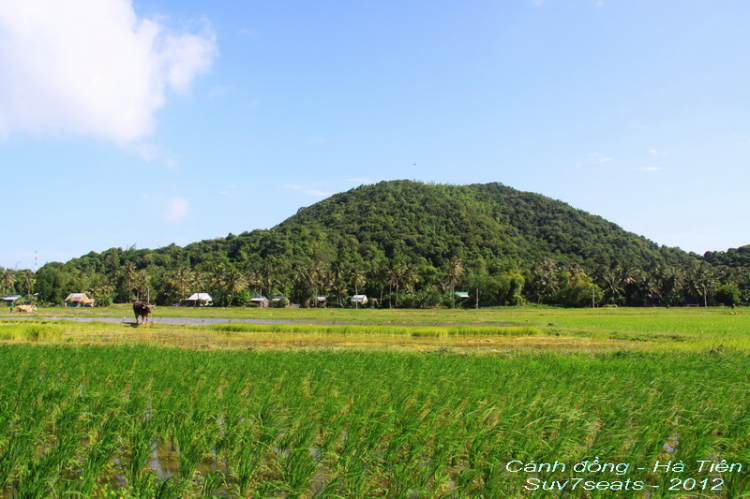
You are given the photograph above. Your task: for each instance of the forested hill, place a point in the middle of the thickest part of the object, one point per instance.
(492, 223)
(733, 257)
(408, 241)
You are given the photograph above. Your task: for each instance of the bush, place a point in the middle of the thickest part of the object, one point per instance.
(728, 295)
(103, 301)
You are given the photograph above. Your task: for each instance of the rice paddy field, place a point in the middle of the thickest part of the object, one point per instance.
(506, 403)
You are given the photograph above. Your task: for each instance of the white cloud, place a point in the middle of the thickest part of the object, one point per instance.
(597, 159)
(656, 152)
(91, 67)
(177, 210)
(649, 168)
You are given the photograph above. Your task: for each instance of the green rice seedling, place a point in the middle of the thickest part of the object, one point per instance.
(212, 483)
(105, 441)
(139, 436)
(357, 424)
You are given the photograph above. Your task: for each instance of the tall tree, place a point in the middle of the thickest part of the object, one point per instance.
(455, 271)
(182, 278)
(8, 279)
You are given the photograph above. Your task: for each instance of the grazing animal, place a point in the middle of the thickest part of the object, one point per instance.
(26, 308)
(141, 309)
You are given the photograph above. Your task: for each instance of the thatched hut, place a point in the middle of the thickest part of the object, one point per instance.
(78, 300)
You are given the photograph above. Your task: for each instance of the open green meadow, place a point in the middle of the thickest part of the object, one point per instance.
(501, 403)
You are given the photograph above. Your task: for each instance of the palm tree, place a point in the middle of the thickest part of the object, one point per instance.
(394, 274)
(181, 279)
(700, 281)
(670, 282)
(544, 279)
(234, 281)
(336, 281)
(381, 277)
(8, 279)
(358, 279)
(267, 281)
(455, 271)
(130, 275)
(305, 280)
(410, 278)
(28, 282)
(216, 281)
(611, 286)
(140, 284)
(253, 280)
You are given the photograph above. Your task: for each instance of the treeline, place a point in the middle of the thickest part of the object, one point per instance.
(394, 283)
(408, 244)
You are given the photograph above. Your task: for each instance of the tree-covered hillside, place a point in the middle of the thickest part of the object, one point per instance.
(407, 243)
(733, 257)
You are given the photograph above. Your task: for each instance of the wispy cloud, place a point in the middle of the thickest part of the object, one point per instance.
(92, 67)
(656, 152)
(177, 209)
(598, 159)
(649, 168)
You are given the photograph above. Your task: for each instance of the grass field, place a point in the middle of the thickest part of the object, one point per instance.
(505, 403)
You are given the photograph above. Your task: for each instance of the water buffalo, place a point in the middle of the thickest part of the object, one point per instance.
(142, 309)
(26, 308)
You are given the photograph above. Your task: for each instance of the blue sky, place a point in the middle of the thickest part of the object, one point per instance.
(156, 122)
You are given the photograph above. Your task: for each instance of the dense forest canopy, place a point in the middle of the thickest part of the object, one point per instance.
(411, 244)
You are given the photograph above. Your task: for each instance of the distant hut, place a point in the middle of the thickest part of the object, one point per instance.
(359, 300)
(280, 301)
(10, 299)
(199, 300)
(260, 301)
(321, 301)
(78, 300)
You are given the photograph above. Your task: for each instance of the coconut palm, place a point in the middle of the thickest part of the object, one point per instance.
(544, 280)
(394, 274)
(182, 278)
(8, 280)
(28, 282)
(455, 271)
(335, 280)
(140, 284)
(700, 281)
(357, 278)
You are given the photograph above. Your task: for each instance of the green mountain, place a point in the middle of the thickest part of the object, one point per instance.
(431, 224)
(396, 234)
(733, 257)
